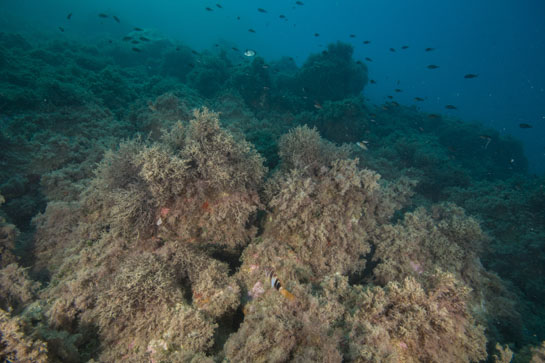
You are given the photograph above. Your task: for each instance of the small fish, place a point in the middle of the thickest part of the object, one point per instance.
(144, 39)
(135, 41)
(208, 9)
(419, 99)
(392, 50)
(265, 88)
(359, 62)
(238, 17)
(299, 3)
(352, 35)
(471, 75)
(390, 97)
(394, 103)
(525, 126)
(450, 107)
(366, 42)
(363, 144)
(61, 29)
(116, 19)
(137, 29)
(249, 53)
(405, 47)
(317, 106)
(126, 38)
(316, 34)
(398, 90)
(432, 66)
(251, 30)
(195, 52)
(235, 49)
(372, 81)
(136, 49)
(433, 115)
(275, 282)
(219, 6)
(368, 59)
(69, 16)
(282, 16)
(265, 66)
(102, 15)
(429, 49)
(261, 10)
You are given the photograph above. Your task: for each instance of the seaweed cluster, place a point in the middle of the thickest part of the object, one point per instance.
(164, 231)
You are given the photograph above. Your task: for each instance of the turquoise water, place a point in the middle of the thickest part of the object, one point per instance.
(445, 101)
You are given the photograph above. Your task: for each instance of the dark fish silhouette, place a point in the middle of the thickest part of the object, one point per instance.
(136, 49)
(372, 81)
(282, 16)
(251, 30)
(525, 126)
(135, 41)
(102, 15)
(368, 59)
(429, 49)
(392, 50)
(299, 3)
(69, 16)
(419, 99)
(450, 107)
(352, 35)
(144, 39)
(432, 66)
(471, 75)
(261, 10)
(116, 19)
(219, 6)
(434, 115)
(208, 9)
(390, 97)
(235, 49)
(405, 47)
(126, 38)
(366, 42)
(316, 34)
(398, 90)
(137, 29)
(61, 29)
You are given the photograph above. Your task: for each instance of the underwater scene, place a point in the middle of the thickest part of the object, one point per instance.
(272, 181)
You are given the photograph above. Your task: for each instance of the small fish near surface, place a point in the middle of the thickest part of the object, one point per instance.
(69, 16)
(61, 29)
(251, 30)
(261, 10)
(525, 126)
(300, 3)
(432, 66)
(137, 50)
(368, 59)
(451, 107)
(366, 42)
(249, 53)
(429, 49)
(103, 16)
(471, 75)
(419, 99)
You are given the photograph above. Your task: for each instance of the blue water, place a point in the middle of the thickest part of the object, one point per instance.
(501, 41)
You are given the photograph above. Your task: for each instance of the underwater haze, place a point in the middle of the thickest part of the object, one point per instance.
(500, 41)
(272, 181)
